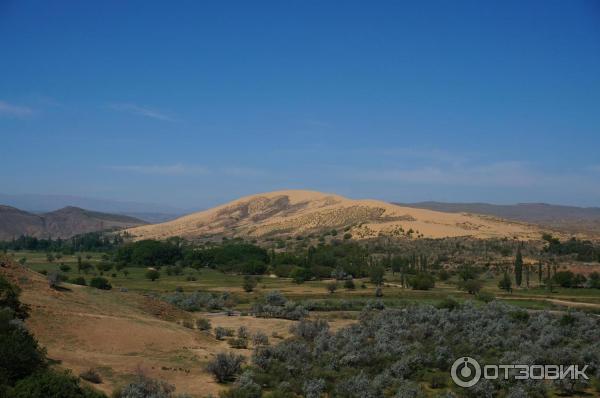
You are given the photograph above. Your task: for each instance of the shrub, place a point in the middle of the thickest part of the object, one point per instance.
(486, 297)
(275, 305)
(448, 303)
(50, 384)
(145, 387)
(65, 268)
(152, 274)
(313, 388)
(198, 301)
(203, 324)
(221, 332)
(92, 376)
(443, 275)
(80, 280)
(243, 333)
(349, 284)
(332, 287)
(421, 281)
(309, 330)
(55, 279)
(249, 283)
(471, 286)
(260, 339)
(225, 367)
(238, 343)
(100, 283)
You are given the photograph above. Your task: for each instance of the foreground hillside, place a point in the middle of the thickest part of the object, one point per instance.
(295, 213)
(63, 223)
(115, 333)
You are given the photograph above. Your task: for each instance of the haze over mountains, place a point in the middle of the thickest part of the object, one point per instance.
(63, 223)
(295, 213)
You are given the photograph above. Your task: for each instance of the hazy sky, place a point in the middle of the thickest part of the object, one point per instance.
(193, 103)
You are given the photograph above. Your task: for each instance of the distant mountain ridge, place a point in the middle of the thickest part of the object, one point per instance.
(39, 204)
(571, 219)
(62, 223)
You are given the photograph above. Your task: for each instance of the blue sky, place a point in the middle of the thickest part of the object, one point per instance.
(193, 103)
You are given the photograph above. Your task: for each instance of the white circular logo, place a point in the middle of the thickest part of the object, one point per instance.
(465, 372)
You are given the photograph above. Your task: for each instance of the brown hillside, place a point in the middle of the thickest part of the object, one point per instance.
(62, 223)
(291, 213)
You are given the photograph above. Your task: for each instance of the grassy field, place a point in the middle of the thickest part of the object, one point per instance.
(134, 278)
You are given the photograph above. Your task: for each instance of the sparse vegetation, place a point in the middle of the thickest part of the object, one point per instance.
(225, 366)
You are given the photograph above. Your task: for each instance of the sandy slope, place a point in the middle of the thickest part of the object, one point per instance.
(291, 213)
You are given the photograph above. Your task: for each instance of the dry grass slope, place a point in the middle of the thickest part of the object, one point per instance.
(292, 213)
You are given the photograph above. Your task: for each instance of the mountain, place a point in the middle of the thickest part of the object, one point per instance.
(569, 219)
(293, 213)
(45, 203)
(15, 222)
(62, 223)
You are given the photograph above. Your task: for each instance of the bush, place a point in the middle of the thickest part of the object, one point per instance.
(443, 275)
(243, 333)
(55, 279)
(152, 274)
(225, 367)
(332, 287)
(448, 303)
(309, 330)
(64, 268)
(100, 283)
(145, 387)
(275, 305)
(51, 384)
(486, 297)
(91, 375)
(260, 339)
(199, 301)
(471, 286)
(203, 324)
(349, 284)
(421, 281)
(238, 343)
(221, 332)
(249, 283)
(80, 280)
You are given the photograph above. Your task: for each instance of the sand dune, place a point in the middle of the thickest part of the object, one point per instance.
(298, 212)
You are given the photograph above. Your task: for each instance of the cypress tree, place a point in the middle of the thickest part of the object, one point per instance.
(518, 268)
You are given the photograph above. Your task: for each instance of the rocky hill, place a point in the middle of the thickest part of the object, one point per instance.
(62, 223)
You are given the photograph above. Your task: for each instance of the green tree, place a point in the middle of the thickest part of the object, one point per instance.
(53, 384)
(249, 283)
(332, 287)
(376, 275)
(471, 286)
(518, 268)
(100, 283)
(421, 281)
(152, 274)
(505, 283)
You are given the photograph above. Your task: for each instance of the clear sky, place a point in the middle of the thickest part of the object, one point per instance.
(191, 103)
